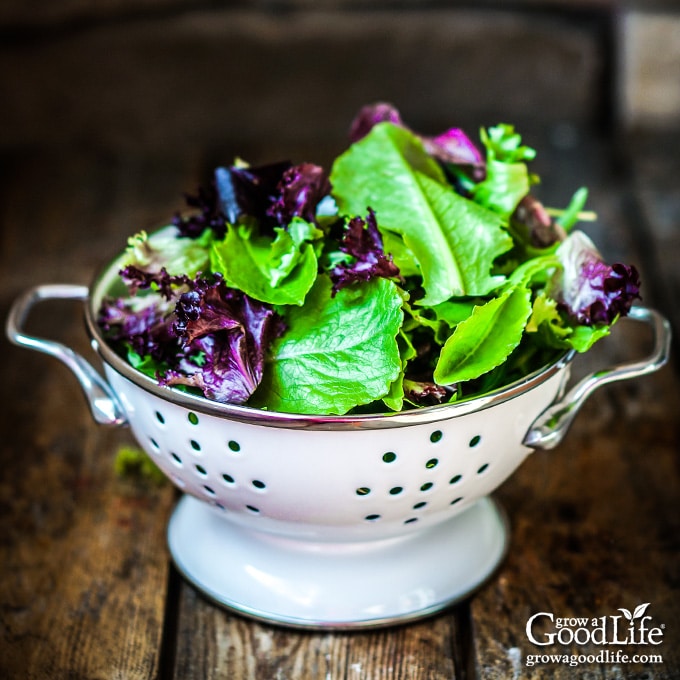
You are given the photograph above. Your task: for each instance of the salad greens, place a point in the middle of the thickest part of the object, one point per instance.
(419, 271)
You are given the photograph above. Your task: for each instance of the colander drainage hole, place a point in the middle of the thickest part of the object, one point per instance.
(456, 500)
(427, 486)
(455, 479)
(363, 491)
(258, 484)
(475, 440)
(195, 445)
(193, 418)
(483, 468)
(396, 490)
(389, 457)
(209, 491)
(372, 518)
(201, 470)
(160, 418)
(432, 463)
(234, 446)
(436, 436)
(253, 509)
(411, 520)
(176, 458)
(417, 506)
(154, 443)
(228, 479)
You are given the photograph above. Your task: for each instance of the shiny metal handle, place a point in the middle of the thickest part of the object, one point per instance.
(548, 430)
(104, 405)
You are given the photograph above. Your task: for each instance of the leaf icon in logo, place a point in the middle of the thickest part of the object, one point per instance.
(626, 613)
(640, 610)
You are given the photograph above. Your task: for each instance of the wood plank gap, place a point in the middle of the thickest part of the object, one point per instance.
(463, 652)
(168, 646)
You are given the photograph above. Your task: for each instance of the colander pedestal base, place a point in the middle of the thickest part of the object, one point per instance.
(318, 585)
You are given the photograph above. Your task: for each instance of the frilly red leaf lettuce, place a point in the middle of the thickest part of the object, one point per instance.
(591, 291)
(363, 242)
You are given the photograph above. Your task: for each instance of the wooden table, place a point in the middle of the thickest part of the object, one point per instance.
(87, 589)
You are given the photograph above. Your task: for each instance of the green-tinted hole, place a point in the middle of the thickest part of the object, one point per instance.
(234, 446)
(417, 506)
(395, 490)
(436, 436)
(159, 417)
(481, 469)
(258, 484)
(209, 490)
(426, 486)
(154, 443)
(193, 418)
(176, 458)
(252, 508)
(372, 518)
(389, 457)
(433, 462)
(220, 506)
(363, 491)
(411, 520)
(455, 479)
(456, 500)
(201, 470)
(228, 479)
(195, 445)
(475, 440)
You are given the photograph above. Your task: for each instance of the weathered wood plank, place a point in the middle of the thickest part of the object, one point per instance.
(220, 79)
(595, 521)
(214, 644)
(83, 559)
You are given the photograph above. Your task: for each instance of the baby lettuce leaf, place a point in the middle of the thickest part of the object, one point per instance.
(507, 177)
(278, 271)
(454, 240)
(486, 338)
(394, 399)
(338, 351)
(163, 249)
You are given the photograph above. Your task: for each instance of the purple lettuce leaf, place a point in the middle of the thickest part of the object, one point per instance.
(589, 290)
(137, 279)
(369, 116)
(145, 324)
(231, 332)
(363, 242)
(423, 393)
(249, 190)
(235, 191)
(299, 192)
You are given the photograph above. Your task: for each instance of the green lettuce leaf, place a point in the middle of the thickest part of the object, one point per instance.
(394, 399)
(507, 176)
(555, 331)
(179, 256)
(338, 352)
(453, 240)
(278, 271)
(486, 339)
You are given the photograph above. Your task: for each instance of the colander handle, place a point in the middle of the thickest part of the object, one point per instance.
(548, 430)
(104, 405)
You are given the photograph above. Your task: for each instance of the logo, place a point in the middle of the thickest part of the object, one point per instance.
(627, 628)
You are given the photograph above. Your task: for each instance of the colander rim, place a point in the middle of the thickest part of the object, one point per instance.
(247, 414)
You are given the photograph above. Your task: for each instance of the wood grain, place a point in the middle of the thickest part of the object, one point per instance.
(84, 562)
(595, 522)
(214, 644)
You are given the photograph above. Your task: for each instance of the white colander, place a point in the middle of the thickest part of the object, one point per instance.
(332, 521)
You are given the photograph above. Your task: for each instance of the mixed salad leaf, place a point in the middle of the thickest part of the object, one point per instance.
(420, 270)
